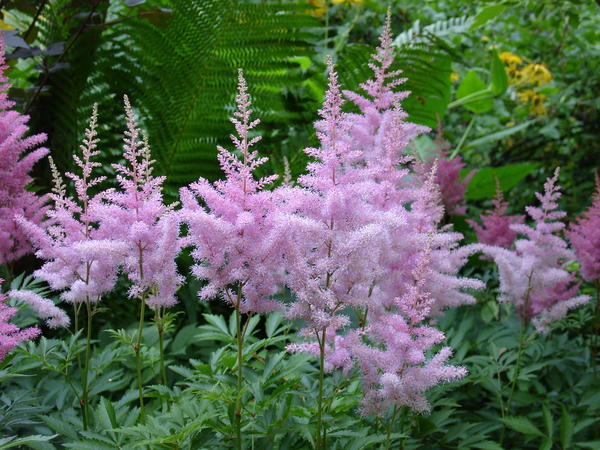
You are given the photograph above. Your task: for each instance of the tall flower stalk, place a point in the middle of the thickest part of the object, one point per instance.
(230, 232)
(136, 216)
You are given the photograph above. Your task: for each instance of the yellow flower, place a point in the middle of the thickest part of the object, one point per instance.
(515, 75)
(537, 74)
(509, 59)
(320, 8)
(347, 2)
(454, 77)
(535, 101)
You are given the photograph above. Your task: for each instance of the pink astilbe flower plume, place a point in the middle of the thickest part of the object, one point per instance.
(229, 230)
(532, 276)
(495, 228)
(44, 308)
(136, 218)
(584, 235)
(362, 223)
(78, 261)
(15, 165)
(10, 334)
(448, 176)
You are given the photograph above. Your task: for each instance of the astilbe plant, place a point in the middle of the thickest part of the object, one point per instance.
(532, 275)
(16, 162)
(584, 235)
(136, 217)
(357, 200)
(78, 261)
(495, 228)
(229, 232)
(10, 334)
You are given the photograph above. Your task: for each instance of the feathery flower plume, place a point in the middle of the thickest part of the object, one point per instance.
(584, 235)
(10, 334)
(136, 218)
(495, 225)
(15, 200)
(44, 308)
(532, 276)
(228, 233)
(78, 262)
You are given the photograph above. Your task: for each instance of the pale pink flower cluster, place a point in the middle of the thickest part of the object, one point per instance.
(136, 219)
(345, 239)
(78, 262)
(495, 228)
(362, 222)
(230, 230)
(584, 235)
(532, 275)
(10, 334)
(44, 308)
(15, 167)
(91, 238)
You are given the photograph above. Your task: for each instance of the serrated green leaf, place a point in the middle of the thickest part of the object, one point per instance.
(566, 428)
(523, 425)
(548, 423)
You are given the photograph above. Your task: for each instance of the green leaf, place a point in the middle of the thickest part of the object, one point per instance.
(498, 134)
(523, 425)
(486, 14)
(589, 444)
(499, 79)
(13, 441)
(566, 428)
(483, 183)
(488, 445)
(546, 444)
(218, 322)
(473, 94)
(548, 421)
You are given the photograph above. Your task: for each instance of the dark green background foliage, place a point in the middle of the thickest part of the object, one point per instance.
(177, 60)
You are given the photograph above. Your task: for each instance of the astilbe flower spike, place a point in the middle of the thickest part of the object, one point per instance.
(532, 276)
(78, 262)
(584, 235)
(136, 218)
(495, 228)
(10, 334)
(358, 200)
(228, 231)
(15, 200)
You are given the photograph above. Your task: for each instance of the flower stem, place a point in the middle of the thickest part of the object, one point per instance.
(388, 441)
(238, 400)
(86, 366)
(516, 372)
(138, 359)
(320, 441)
(161, 339)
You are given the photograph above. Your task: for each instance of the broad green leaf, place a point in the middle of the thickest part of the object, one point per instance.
(566, 428)
(486, 14)
(483, 183)
(473, 94)
(523, 425)
(499, 79)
